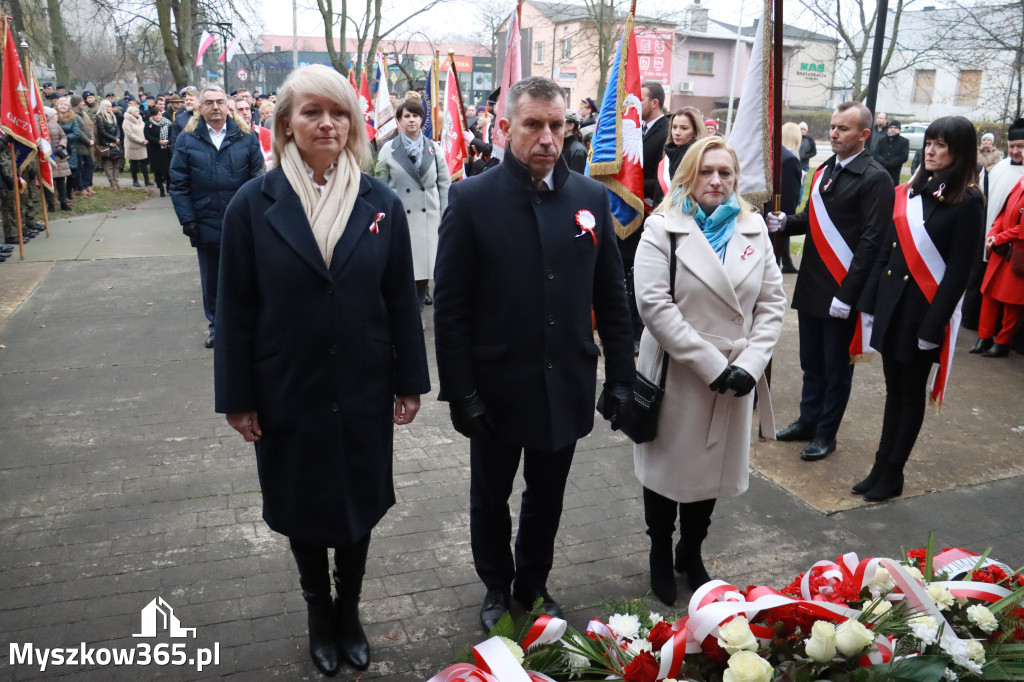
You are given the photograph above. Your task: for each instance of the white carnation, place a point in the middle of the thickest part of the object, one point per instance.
(982, 617)
(949, 675)
(624, 626)
(976, 651)
(517, 651)
(655, 618)
(925, 629)
(638, 645)
(914, 573)
(961, 654)
(941, 595)
(881, 582)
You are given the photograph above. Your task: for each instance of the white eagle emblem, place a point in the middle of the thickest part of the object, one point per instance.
(632, 137)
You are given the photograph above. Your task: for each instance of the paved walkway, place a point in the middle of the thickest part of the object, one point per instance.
(119, 485)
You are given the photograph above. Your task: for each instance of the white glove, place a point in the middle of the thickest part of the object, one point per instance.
(926, 345)
(838, 309)
(468, 137)
(776, 222)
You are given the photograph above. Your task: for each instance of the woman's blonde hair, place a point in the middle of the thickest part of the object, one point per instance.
(791, 137)
(104, 110)
(688, 174)
(317, 79)
(696, 122)
(266, 108)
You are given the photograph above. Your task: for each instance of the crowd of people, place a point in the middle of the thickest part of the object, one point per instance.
(315, 275)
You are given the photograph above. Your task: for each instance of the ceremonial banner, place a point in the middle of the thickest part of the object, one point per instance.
(364, 102)
(43, 144)
(383, 112)
(428, 106)
(452, 140)
(751, 134)
(205, 41)
(617, 154)
(15, 113)
(511, 72)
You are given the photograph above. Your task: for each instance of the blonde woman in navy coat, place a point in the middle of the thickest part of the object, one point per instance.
(319, 350)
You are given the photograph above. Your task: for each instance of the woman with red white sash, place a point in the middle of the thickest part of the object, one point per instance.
(915, 291)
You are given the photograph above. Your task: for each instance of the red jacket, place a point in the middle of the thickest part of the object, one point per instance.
(1000, 283)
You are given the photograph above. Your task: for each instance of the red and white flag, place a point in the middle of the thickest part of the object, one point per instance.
(452, 140)
(511, 73)
(364, 103)
(205, 41)
(230, 51)
(42, 136)
(15, 112)
(383, 113)
(352, 80)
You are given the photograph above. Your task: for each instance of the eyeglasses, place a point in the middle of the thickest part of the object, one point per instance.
(221, 103)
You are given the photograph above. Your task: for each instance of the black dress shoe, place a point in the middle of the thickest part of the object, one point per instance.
(427, 300)
(997, 350)
(789, 270)
(981, 346)
(819, 448)
(209, 341)
(494, 607)
(549, 606)
(795, 431)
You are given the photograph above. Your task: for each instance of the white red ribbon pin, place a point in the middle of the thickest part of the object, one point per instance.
(938, 193)
(749, 251)
(374, 227)
(585, 219)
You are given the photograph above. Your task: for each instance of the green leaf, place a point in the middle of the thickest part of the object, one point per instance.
(916, 669)
(505, 627)
(929, 569)
(1010, 600)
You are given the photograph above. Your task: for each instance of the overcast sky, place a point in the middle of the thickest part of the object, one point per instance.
(437, 23)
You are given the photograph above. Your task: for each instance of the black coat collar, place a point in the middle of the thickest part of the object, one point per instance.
(288, 218)
(202, 131)
(858, 165)
(521, 174)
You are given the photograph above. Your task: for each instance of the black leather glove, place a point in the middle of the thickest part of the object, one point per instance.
(190, 230)
(613, 399)
(471, 418)
(720, 384)
(740, 381)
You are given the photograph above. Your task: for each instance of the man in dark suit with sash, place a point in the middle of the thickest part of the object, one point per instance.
(845, 220)
(526, 252)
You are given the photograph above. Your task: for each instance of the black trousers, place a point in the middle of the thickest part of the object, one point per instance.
(493, 471)
(828, 373)
(906, 385)
(209, 272)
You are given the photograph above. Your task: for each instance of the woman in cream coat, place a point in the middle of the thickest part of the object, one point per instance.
(415, 168)
(718, 328)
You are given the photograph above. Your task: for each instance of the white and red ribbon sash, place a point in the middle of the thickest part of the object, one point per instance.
(495, 663)
(927, 268)
(544, 631)
(664, 178)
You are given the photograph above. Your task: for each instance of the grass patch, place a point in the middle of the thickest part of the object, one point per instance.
(104, 201)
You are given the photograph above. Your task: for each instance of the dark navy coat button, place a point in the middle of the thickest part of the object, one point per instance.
(330, 289)
(550, 364)
(551, 319)
(551, 274)
(333, 350)
(334, 407)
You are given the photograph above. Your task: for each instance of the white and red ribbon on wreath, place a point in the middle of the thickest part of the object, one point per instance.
(495, 663)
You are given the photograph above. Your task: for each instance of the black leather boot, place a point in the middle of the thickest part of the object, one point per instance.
(350, 565)
(889, 484)
(981, 346)
(876, 472)
(997, 350)
(660, 515)
(315, 580)
(694, 520)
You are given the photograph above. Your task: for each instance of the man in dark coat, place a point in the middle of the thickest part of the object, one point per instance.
(211, 160)
(879, 132)
(853, 198)
(526, 251)
(892, 151)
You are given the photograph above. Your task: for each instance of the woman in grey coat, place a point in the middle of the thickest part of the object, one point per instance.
(415, 168)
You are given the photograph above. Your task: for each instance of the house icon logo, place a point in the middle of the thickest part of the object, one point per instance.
(159, 616)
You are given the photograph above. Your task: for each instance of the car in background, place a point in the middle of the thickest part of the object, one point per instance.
(914, 134)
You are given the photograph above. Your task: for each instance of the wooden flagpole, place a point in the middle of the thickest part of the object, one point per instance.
(458, 87)
(39, 157)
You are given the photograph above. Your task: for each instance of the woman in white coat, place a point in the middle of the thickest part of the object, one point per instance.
(718, 328)
(415, 168)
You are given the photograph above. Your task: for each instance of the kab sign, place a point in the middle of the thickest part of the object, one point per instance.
(654, 55)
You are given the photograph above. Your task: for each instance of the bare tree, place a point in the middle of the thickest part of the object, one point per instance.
(854, 23)
(58, 41)
(989, 37)
(96, 59)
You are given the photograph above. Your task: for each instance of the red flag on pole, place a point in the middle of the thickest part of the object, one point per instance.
(352, 80)
(15, 113)
(43, 139)
(364, 102)
(452, 140)
(512, 72)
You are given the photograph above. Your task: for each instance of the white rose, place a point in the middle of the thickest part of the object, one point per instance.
(982, 617)
(976, 651)
(746, 666)
(882, 581)
(625, 626)
(941, 595)
(821, 647)
(876, 610)
(517, 651)
(736, 636)
(852, 637)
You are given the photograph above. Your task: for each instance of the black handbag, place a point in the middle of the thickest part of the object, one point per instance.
(639, 418)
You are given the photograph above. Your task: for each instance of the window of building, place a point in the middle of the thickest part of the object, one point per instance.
(924, 86)
(567, 49)
(702, 63)
(277, 48)
(968, 88)
(539, 52)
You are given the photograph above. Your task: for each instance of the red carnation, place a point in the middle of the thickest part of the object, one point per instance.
(659, 634)
(981, 577)
(1020, 579)
(998, 574)
(643, 668)
(918, 555)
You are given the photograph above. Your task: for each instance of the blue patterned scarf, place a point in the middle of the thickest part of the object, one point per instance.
(719, 227)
